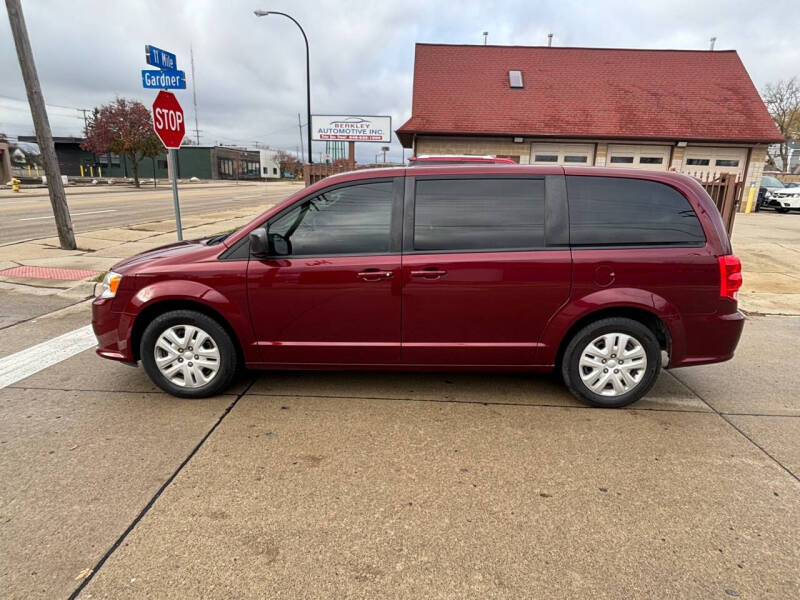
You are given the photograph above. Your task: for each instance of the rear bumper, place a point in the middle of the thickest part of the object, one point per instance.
(709, 339)
(112, 330)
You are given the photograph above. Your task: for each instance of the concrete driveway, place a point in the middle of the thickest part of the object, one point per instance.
(365, 485)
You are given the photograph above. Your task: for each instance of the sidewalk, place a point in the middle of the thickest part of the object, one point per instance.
(73, 273)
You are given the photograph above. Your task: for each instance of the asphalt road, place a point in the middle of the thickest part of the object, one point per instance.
(28, 215)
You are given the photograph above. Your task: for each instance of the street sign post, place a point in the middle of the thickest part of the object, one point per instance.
(170, 126)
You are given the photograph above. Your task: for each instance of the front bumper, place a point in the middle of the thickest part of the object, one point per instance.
(112, 330)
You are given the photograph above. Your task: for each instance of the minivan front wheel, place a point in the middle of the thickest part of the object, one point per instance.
(611, 362)
(188, 354)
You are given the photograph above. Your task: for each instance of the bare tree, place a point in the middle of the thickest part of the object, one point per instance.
(783, 103)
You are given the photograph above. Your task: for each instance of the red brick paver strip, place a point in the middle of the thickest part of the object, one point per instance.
(49, 273)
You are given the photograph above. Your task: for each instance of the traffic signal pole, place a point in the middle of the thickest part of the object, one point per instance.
(44, 136)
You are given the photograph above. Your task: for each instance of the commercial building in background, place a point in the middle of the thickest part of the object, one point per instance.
(694, 112)
(270, 164)
(203, 162)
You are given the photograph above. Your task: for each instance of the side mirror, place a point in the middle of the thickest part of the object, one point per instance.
(258, 242)
(279, 245)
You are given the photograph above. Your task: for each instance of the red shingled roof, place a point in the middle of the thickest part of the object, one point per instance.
(586, 93)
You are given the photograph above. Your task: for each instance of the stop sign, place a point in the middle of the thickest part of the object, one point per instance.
(168, 120)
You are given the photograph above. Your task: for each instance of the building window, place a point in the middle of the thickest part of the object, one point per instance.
(726, 163)
(515, 79)
(698, 162)
(546, 158)
(651, 160)
(575, 159)
(626, 160)
(274, 170)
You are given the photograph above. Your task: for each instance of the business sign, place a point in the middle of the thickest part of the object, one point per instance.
(351, 128)
(162, 59)
(164, 80)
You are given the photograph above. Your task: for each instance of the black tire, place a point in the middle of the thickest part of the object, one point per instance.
(782, 209)
(228, 357)
(571, 370)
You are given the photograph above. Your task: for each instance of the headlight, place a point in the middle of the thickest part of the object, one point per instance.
(110, 285)
(767, 194)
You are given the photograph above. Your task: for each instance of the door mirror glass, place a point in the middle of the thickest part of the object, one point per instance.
(279, 245)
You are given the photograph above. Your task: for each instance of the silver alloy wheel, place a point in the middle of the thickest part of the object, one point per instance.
(612, 364)
(187, 356)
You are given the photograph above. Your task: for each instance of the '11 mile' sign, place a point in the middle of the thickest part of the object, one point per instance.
(160, 58)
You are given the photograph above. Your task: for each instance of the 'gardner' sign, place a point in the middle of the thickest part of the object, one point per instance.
(352, 128)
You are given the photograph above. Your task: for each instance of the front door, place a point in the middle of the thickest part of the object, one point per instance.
(480, 279)
(329, 292)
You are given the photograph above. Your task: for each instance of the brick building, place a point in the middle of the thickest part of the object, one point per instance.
(696, 112)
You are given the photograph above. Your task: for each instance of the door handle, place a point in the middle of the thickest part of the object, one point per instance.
(375, 275)
(429, 273)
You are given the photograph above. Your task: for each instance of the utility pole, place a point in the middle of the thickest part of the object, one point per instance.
(194, 95)
(44, 135)
(300, 128)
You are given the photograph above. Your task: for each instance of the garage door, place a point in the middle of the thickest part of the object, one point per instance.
(562, 154)
(704, 160)
(641, 156)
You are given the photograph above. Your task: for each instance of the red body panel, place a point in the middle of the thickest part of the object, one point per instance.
(321, 310)
(493, 310)
(485, 308)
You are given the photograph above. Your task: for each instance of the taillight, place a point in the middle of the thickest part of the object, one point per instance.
(730, 276)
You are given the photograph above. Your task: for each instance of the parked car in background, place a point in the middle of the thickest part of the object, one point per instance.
(603, 275)
(457, 159)
(773, 193)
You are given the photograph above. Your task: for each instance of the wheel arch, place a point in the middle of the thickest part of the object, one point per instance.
(159, 307)
(646, 317)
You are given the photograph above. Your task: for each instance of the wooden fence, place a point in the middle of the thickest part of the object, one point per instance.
(726, 191)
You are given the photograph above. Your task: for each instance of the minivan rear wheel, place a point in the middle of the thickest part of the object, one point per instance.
(611, 362)
(188, 354)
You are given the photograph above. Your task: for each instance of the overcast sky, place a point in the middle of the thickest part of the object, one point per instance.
(250, 72)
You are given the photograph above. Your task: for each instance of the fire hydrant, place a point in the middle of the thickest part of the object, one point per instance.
(14, 184)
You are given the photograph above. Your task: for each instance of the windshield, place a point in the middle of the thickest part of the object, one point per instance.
(768, 181)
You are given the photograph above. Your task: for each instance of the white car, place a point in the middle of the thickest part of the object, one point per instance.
(776, 194)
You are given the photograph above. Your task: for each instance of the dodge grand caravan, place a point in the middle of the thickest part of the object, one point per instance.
(604, 275)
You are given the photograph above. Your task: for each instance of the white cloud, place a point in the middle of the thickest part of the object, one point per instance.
(251, 71)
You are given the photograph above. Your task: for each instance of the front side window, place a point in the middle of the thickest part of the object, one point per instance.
(478, 214)
(347, 220)
(614, 211)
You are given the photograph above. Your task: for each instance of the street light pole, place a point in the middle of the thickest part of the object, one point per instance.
(264, 13)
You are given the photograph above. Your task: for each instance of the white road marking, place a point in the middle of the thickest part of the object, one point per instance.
(25, 363)
(91, 212)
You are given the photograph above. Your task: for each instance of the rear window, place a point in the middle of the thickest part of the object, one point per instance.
(478, 214)
(614, 211)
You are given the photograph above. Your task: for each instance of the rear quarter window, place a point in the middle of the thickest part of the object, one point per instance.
(615, 211)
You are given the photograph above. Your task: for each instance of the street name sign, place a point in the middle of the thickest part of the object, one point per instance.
(351, 128)
(168, 121)
(160, 58)
(164, 80)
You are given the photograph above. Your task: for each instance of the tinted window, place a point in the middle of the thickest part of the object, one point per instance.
(479, 214)
(612, 211)
(347, 220)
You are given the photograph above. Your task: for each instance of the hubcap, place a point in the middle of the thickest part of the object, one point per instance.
(612, 364)
(187, 356)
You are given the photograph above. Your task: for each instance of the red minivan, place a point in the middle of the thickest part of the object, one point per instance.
(603, 274)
